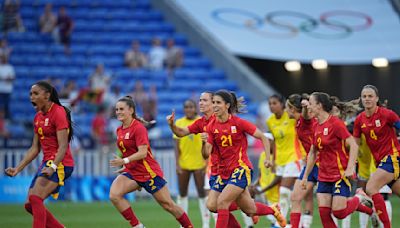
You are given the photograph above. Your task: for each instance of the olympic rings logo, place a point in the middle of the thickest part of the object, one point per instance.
(336, 24)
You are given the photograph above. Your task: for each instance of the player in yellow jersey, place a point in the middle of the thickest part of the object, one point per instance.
(288, 154)
(190, 161)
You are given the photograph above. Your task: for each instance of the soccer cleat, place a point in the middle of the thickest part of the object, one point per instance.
(140, 225)
(364, 198)
(255, 219)
(278, 215)
(374, 220)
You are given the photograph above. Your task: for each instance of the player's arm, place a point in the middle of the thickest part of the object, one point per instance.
(267, 147)
(351, 166)
(29, 156)
(207, 150)
(62, 140)
(139, 155)
(304, 109)
(177, 154)
(311, 158)
(178, 131)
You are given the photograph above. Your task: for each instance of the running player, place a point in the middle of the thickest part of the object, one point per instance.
(337, 163)
(296, 106)
(227, 136)
(140, 167)
(189, 161)
(377, 125)
(288, 152)
(52, 134)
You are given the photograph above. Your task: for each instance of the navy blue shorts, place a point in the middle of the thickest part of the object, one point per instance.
(240, 177)
(390, 164)
(338, 188)
(62, 173)
(152, 185)
(313, 177)
(212, 180)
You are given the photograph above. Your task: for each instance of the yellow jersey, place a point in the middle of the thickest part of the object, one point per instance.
(190, 147)
(366, 162)
(266, 177)
(287, 145)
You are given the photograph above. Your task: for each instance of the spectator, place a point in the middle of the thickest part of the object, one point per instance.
(3, 130)
(68, 93)
(150, 107)
(48, 20)
(111, 98)
(99, 129)
(174, 56)
(5, 50)
(134, 58)
(12, 21)
(65, 26)
(139, 95)
(156, 55)
(7, 76)
(99, 80)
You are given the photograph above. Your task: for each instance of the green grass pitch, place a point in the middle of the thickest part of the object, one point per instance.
(103, 214)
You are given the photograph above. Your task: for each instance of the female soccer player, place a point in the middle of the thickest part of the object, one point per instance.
(296, 106)
(141, 169)
(199, 127)
(227, 133)
(377, 125)
(337, 164)
(189, 160)
(52, 134)
(288, 152)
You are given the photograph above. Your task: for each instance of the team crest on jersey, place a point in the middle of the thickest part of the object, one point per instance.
(127, 135)
(233, 129)
(363, 125)
(377, 123)
(216, 131)
(46, 122)
(325, 131)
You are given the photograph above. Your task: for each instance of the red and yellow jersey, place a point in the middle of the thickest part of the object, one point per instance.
(380, 135)
(330, 141)
(128, 141)
(46, 126)
(229, 140)
(199, 126)
(305, 132)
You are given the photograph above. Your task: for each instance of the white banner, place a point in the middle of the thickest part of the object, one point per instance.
(340, 31)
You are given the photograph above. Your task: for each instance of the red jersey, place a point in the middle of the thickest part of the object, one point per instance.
(329, 140)
(128, 141)
(379, 132)
(46, 126)
(305, 132)
(200, 126)
(229, 140)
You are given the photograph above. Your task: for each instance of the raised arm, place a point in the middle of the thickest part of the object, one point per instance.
(178, 131)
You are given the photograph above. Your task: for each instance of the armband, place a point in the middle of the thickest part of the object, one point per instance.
(53, 166)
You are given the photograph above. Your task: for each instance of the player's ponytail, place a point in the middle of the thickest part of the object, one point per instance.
(129, 101)
(324, 99)
(236, 105)
(54, 98)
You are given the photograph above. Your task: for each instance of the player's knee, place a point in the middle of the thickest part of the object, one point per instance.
(28, 208)
(222, 203)
(371, 189)
(211, 206)
(114, 197)
(168, 206)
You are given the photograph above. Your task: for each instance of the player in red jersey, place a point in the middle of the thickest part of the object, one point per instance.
(52, 134)
(378, 125)
(227, 136)
(337, 163)
(140, 167)
(296, 106)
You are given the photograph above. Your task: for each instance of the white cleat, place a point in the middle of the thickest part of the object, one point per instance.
(364, 198)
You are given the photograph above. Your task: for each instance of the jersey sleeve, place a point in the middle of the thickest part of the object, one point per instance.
(141, 137)
(195, 127)
(210, 138)
(341, 130)
(247, 126)
(392, 117)
(60, 119)
(357, 127)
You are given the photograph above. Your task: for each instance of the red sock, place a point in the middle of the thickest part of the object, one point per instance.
(380, 208)
(233, 206)
(295, 219)
(352, 205)
(364, 209)
(185, 221)
(39, 211)
(51, 221)
(130, 216)
(223, 218)
(326, 218)
(233, 223)
(263, 209)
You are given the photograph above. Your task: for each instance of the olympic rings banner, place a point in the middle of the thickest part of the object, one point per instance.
(340, 31)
